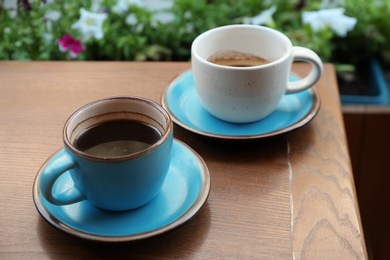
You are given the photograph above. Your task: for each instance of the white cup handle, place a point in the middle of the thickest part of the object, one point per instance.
(306, 55)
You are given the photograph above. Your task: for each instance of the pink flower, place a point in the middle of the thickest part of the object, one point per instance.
(69, 44)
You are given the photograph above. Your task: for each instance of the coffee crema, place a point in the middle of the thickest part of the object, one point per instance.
(117, 138)
(236, 59)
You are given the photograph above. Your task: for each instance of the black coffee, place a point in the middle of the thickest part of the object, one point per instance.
(117, 138)
(236, 59)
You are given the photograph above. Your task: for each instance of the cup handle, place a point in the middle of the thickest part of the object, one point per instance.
(306, 55)
(51, 173)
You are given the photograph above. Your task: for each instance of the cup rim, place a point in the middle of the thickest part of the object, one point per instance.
(165, 136)
(248, 26)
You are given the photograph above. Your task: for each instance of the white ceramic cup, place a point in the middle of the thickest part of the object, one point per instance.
(248, 94)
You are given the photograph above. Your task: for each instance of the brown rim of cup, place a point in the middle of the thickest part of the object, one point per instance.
(281, 35)
(165, 134)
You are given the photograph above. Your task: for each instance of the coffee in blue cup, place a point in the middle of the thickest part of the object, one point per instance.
(117, 151)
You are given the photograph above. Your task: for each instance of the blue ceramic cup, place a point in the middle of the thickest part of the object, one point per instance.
(116, 183)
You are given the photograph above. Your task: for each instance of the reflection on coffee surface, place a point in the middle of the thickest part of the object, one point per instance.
(236, 59)
(117, 138)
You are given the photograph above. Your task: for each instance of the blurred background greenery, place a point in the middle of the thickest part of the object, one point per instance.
(164, 30)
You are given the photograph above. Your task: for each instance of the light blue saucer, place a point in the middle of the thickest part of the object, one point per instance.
(185, 190)
(181, 101)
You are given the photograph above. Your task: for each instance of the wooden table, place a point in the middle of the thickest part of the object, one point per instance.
(289, 197)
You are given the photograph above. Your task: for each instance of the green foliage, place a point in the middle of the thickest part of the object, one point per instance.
(31, 36)
(370, 37)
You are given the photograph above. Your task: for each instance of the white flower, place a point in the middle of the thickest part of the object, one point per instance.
(51, 16)
(47, 37)
(187, 15)
(122, 6)
(334, 18)
(158, 5)
(163, 17)
(96, 5)
(90, 24)
(132, 20)
(379, 2)
(11, 6)
(264, 18)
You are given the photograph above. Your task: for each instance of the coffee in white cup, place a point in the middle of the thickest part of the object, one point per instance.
(241, 72)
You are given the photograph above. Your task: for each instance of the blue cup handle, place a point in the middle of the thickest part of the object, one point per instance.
(51, 173)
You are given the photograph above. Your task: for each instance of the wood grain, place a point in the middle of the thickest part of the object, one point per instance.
(289, 197)
(323, 191)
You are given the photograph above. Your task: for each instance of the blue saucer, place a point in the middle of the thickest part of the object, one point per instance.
(181, 101)
(185, 190)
